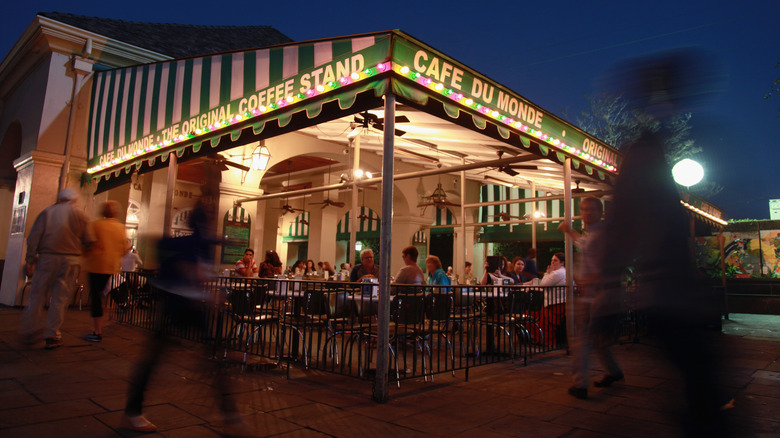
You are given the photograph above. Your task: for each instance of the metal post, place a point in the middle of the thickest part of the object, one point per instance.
(353, 220)
(168, 216)
(385, 248)
(569, 248)
(533, 216)
(462, 268)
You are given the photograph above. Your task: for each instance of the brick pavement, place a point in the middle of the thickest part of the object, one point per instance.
(78, 390)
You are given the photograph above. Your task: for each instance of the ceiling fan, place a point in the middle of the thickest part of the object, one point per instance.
(370, 120)
(363, 215)
(327, 201)
(286, 207)
(505, 216)
(222, 162)
(511, 169)
(438, 199)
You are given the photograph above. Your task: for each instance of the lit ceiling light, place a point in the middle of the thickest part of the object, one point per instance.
(260, 158)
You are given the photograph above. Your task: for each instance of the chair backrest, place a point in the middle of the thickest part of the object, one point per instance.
(242, 302)
(438, 306)
(536, 300)
(408, 309)
(339, 305)
(316, 302)
(519, 300)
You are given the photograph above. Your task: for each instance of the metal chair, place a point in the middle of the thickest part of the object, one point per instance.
(245, 311)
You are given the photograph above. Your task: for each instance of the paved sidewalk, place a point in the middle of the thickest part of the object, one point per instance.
(79, 389)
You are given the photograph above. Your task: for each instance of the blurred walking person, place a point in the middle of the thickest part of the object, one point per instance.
(54, 247)
(184, 263)
(102, 260)
(595, 306)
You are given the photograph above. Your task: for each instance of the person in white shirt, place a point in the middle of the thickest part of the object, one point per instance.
(131, 261)
(556, 271)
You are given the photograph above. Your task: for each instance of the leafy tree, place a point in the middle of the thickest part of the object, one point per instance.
(610, 118)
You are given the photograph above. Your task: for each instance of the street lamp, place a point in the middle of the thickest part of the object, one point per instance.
(260, 158)
(687, 172)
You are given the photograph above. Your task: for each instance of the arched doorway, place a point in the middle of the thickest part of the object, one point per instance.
(443, 236)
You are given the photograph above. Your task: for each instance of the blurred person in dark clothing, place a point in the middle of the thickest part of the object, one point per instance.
(648, 230)
(184, 262)
(57, 238)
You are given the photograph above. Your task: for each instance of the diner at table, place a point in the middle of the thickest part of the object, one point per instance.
(246, 267)
(410, 273)
(271, 266)
(366, 269)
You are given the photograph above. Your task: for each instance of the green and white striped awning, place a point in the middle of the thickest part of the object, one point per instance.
(140, 114)
(550, 209)
(443, 217)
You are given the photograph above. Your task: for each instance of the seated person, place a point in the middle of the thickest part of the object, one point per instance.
(326, 268)
(410, 273)
(520, 276)
(497, 275)
(436, 274)
(271, 266)
(366, 269)
(468, 274)
(556, 271)
(246, 267)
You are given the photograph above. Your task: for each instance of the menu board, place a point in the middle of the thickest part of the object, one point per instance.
(235, 235)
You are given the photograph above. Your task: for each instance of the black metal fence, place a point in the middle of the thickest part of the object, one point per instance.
(332, 326)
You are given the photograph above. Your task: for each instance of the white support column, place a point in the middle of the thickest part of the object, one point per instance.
(569, 248)
(385, 249)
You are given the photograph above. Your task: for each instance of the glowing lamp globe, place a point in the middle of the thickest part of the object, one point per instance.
(687, 172)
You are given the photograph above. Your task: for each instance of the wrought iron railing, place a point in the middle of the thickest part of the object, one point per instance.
(332, 326)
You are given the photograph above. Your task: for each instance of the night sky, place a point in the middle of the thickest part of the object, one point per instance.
(553, 53)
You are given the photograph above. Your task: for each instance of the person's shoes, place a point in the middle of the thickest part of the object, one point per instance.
(580, 393)
(52, 343)
(138, 423)
(94, 337)
(608, 380)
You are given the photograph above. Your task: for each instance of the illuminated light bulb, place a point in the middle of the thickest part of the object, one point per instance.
(404, 69)
(687, 172)
(299, 96)
(239, 117)
(367, 71)
(494, 113)
(369, 175)
(439, 87)
(457, 96)
(358, 173)
(518, 125)
(556, 142)
(524, 128)
(355, 75)
(427, 81)
(448, 92)
(538, 134)
(468, 101)
(263, 108)
(381, 66)
(320, 88)
(545, 137)
(290, 99)
(309, 92)
(343, 80)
